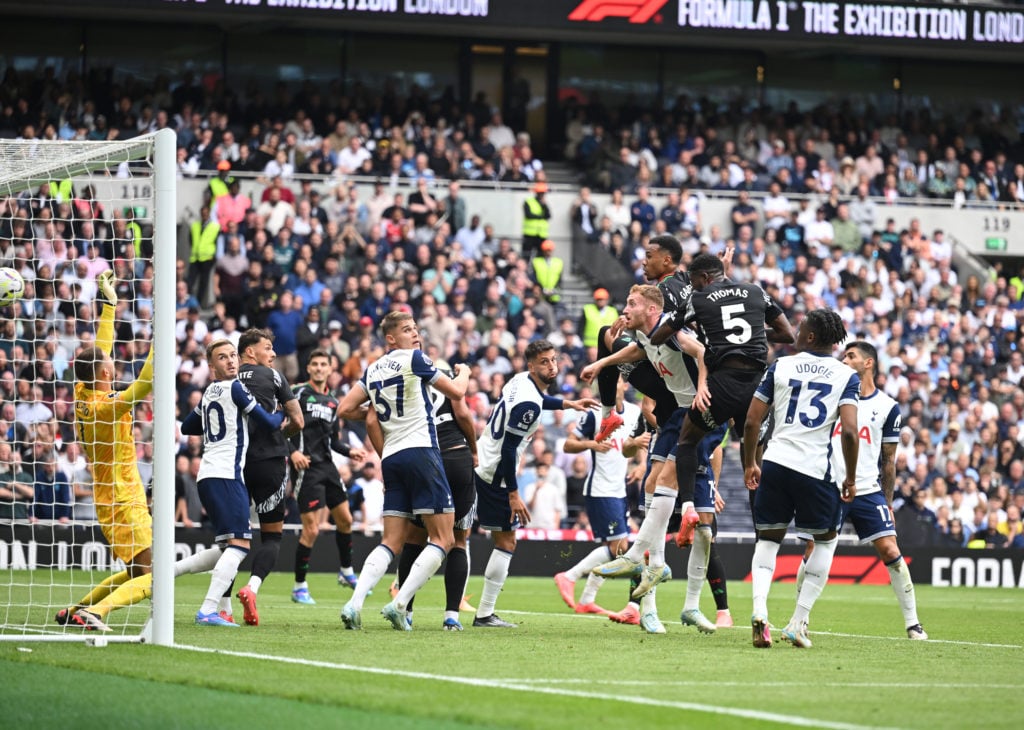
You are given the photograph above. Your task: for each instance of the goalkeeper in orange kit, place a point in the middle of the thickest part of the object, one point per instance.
(104, 430)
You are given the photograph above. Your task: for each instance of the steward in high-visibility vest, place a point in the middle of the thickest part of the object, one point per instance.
(547, 272)
(220, 183)
(536, 215)
(204, 238)
(596, 315)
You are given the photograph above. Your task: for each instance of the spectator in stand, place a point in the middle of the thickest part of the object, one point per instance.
(743, 214)
(285, 322)
(536, 215)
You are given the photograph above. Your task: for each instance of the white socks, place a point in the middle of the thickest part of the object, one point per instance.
(429, 560)
(598, 556)
(198, 563)
(494, 578)
(594, 583)
(376, 565)
(815, 578)
(697, 566)
(762, 572)
(903, 587)
(223, 573)
(254, 583)
(651, 535)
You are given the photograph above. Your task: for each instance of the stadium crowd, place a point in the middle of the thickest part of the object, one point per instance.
(319, 263)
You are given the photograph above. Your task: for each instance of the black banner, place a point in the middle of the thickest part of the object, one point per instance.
(34, 547)
(905, 26)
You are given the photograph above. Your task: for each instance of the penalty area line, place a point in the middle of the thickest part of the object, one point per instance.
(520, 686)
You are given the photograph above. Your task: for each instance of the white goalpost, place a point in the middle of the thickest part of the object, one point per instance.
(73, 465)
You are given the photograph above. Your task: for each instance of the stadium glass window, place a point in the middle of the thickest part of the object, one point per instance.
(616, 75)
(127, 51)
(379, 62)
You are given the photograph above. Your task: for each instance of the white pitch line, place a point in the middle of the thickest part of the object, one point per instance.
(520, 686)
(898, 639)
(703, 683)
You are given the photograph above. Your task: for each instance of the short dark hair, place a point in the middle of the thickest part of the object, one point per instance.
(827, 326)
(319, 352)
(706, 262)
(537, 347)
(670, 245)
(867, 350)
(253, 336)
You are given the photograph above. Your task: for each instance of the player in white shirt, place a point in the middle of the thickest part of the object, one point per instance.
(401, 427)
(513, 421)
(604, 494)
(807, 393)
(680, 362)
(222, 420)
(878, 427)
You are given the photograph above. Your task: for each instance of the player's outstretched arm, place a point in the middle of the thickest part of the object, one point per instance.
(105, 332)
(143, 384)
(464, 419)
(193, 424)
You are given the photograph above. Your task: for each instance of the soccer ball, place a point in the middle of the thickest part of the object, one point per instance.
(12, 286)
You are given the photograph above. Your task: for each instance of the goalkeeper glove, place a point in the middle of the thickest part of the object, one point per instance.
(106, 282)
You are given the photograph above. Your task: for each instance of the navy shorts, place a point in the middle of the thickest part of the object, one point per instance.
(415, 484)
(668, 436)
(226, 502)
(704, 482)
(492, 508)
(609, 519)
(458, 469)
(870, 517)
(784, 494)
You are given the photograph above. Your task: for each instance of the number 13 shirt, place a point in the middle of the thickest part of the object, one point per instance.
(805, 391)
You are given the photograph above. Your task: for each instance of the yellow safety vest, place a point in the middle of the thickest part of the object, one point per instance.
(535, 226)
(1018, 284)
(204, 241)
(594, 320)
(549, 273)
(62, 191)
(217, 187)
(136, 233)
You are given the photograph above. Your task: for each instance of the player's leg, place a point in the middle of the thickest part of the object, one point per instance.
(496, 517)
(227, 503)
(415, 541)
(608, 381)
(873, 521)
(700, 553)
(343, 521)
(397, 514)
(267, 482)
(773, 510)
(817, 513)
(431, 500)
(309, 495)
(458, 468)
(902, 584)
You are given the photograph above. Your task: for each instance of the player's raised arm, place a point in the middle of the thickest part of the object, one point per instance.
(105, 332)
(143, 384)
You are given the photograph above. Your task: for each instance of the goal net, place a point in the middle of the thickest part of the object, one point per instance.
(86, 433)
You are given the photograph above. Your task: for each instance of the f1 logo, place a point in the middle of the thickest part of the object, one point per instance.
(636, 11)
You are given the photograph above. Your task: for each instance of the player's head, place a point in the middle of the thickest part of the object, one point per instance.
(94, 368)
(820, 331)
(223, 359)
(400, 331)
(319, 367)
(542, 361)
(662, 256)
(862, 357)
(643, 303)
(256, 347)
(705, 269)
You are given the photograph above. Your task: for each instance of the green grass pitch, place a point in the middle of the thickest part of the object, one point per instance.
(299, 668)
